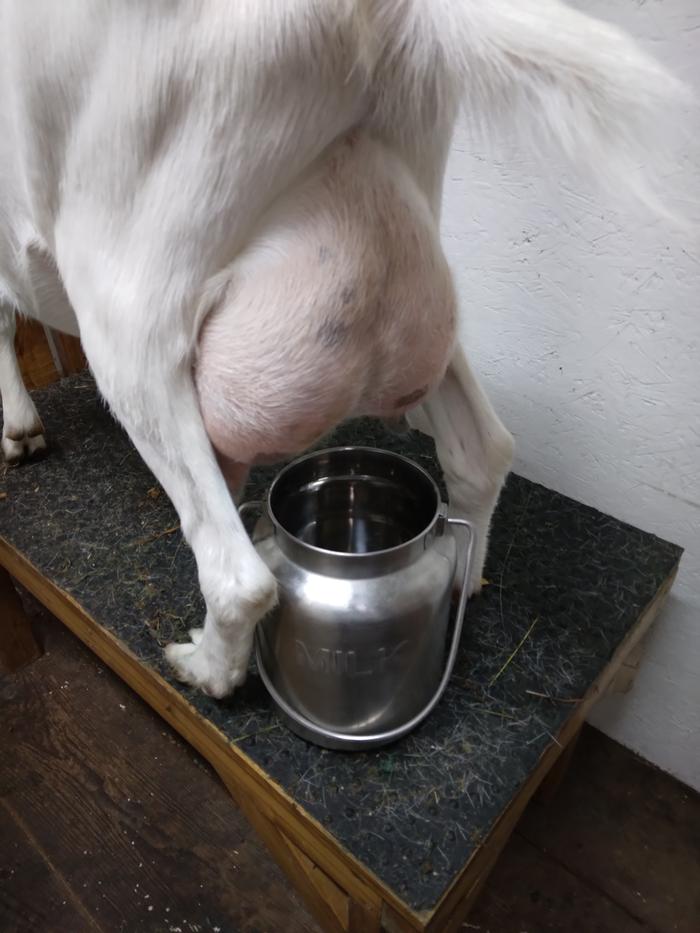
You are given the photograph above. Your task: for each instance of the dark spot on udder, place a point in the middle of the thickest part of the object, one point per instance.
(324, 254)
(411, 398)
(333, 333)
(348, 294)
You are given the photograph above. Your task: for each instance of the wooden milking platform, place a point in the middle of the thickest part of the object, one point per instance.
(396, 839)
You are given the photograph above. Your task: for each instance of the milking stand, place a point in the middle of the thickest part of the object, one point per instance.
(396, 839)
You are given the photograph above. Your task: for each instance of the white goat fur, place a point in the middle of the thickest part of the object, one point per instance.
(236, 206)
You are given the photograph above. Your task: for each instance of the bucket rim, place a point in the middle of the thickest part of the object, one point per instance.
(357, 556)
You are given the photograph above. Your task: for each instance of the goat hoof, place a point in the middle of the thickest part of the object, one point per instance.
(20, 447)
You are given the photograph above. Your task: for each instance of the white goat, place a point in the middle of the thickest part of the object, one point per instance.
(236, 206)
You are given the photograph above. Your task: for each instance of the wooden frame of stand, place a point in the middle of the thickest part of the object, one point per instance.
(340, 891)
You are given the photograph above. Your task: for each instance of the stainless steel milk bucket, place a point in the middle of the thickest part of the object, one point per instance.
(365, 558)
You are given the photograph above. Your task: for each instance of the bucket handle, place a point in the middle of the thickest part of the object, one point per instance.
(391, 735)
(246, 508)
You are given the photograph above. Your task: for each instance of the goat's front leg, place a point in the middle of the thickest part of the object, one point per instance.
(22, 432)
(155, 399)
(474, 449)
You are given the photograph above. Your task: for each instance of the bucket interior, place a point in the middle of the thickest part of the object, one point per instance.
(354, 500)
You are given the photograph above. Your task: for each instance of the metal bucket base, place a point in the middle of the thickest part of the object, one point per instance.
(353, 742)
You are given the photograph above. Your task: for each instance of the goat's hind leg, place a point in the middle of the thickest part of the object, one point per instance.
(474, 449)
(22, 431)
(153, 396)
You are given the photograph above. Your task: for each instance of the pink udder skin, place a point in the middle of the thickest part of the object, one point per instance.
(343, 305)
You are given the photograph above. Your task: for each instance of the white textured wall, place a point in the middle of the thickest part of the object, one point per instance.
(583, 321)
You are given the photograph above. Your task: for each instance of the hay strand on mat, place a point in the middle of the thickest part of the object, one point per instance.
(514, 652)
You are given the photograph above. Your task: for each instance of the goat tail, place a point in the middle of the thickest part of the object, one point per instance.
(563, 75)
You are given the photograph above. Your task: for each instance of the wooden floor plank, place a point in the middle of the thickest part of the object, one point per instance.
(628, 829)
(529, 892)
(147, 835)
(34, 896)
